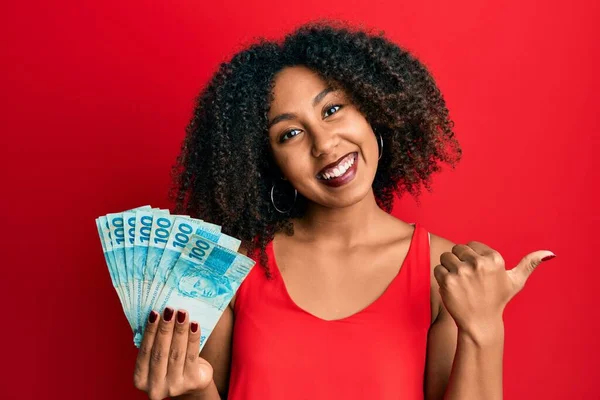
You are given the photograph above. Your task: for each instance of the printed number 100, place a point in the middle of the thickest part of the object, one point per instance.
(198, 252)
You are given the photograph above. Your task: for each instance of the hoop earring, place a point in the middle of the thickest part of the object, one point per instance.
(380, 150)
(273, 201)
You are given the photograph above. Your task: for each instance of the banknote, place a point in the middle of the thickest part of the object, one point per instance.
(159, 235)
(213, 232)
(107, 247)
(116, 228)
(107, 250)
(183, 229)
(203, 281)
(143, 228)
(129, 226)
(117, 235)
(156, 259)
(129, 232)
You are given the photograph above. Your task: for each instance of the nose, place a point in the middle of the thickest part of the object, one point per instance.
(324, 141)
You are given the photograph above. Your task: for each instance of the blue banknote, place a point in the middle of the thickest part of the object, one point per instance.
(107, 247)
(159, 234)
(213, 232)
(183, 229)
(143, 248)
(129, 226)
(129, 231)
(162, 227)
(203, 281)
(117, 235)
(143, 228)
(116, 230)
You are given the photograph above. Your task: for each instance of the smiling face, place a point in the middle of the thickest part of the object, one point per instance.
(321, 142)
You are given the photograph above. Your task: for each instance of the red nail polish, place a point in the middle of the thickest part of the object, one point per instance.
(168, 314)
(194, 327)
(152, 317)
(550, 257)
(180, 316)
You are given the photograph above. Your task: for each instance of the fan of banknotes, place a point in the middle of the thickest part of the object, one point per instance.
(156, 260)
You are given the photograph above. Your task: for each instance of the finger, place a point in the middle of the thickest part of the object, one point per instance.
(142, 364)
(162, 343)
(527, 265)
(465, 253)
(440, 272)
(178, 345)
(193, 347)
(480, 248)
(450, 261)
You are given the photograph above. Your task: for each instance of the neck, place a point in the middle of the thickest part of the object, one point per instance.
(341, 227)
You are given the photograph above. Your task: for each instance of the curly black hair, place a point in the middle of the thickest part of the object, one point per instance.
(225, 170)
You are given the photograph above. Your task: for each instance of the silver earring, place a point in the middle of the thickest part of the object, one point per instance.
(381, 150)
(273, 201)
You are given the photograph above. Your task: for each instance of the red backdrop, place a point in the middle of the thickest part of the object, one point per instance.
(95, 99)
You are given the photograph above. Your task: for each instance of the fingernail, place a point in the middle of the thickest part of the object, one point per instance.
(180, 316)
(550, 257)
(152, 317)
(194, 327)
(168, 314)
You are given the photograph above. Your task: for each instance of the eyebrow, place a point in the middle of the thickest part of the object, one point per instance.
(288, 116)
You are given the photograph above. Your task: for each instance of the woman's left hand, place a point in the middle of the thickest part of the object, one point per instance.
(475, 286)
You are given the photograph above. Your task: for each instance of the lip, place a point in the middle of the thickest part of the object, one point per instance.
(346, 177)
(335, 163)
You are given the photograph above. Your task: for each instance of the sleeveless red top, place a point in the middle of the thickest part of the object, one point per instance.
(281, 352)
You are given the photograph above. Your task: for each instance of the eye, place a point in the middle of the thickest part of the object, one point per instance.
(288, 135)
(330, 107)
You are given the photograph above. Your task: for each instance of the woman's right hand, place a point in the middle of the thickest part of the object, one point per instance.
(168, 362)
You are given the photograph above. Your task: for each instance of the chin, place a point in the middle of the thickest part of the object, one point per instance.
(345, 198)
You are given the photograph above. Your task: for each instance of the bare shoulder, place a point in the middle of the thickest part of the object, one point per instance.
(438, 245)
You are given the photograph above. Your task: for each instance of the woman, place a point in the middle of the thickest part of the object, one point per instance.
(298, 148)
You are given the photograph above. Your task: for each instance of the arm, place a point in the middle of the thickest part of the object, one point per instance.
(477, 369)
(460, 365)
(441, 348)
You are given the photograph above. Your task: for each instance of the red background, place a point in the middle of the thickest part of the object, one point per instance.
(95, 99)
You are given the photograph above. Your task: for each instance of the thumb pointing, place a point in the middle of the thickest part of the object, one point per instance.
(527, 265)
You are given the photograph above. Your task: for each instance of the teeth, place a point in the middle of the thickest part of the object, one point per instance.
(339, 170)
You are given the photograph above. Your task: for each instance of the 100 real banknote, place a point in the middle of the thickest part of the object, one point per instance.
(156, 260)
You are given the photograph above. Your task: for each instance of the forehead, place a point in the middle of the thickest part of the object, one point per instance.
(295, 84)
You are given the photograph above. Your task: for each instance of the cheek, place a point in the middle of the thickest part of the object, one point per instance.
(367, 140)
(284, 163)
(293, 165)
(280, 158)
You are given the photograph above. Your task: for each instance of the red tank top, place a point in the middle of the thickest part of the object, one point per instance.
(281, 352)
